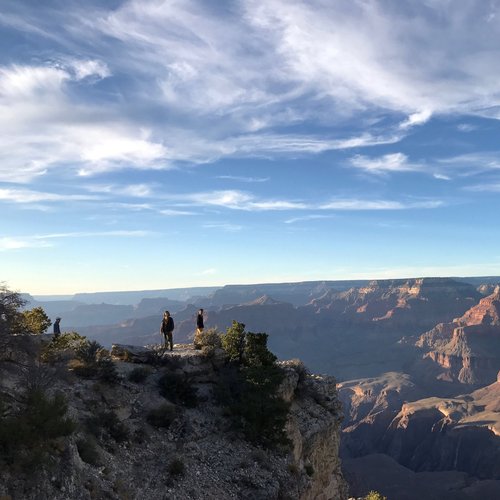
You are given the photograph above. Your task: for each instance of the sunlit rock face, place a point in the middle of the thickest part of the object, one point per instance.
(467, 349)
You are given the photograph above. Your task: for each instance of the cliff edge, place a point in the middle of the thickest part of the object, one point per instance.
(158, 431)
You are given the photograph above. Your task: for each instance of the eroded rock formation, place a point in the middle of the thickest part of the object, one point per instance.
(467, 349)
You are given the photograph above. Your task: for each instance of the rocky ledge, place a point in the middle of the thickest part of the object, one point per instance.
(198, 455)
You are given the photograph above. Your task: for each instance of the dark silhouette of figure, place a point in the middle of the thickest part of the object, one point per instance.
(167, 328)
(199, 322)
(57, 328)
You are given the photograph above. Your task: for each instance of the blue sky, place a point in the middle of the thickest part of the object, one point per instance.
(154, 144)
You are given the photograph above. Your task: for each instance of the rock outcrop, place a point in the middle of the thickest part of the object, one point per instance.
(399, 444)
(370, 405)
(197, 454)
(461, 433)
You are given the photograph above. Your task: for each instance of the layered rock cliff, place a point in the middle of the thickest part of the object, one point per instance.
(189, 451)
(409, 447)
(411, 302)
(467, 349)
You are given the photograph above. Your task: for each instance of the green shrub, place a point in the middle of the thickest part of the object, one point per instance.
(309, 470)
(106, 369)
(162, 416)
(139, 374)
(88, 351)
(208, 340)
(106, 424)
(374, 495)
(259, 456)
(176, 467)
(178, 389)
(155, 355)
(27, 432)
(68, 342)
(299, 367)
(95, 362)
(87, 449)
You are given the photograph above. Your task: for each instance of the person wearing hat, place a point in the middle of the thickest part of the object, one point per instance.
(57, 328)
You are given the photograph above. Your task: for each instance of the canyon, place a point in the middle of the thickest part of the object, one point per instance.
(417, 363)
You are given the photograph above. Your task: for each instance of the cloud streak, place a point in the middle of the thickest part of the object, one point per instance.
(29, 196)
(45, 240)
(244, 201)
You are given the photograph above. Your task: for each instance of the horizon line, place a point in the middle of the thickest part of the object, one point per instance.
(357, 279)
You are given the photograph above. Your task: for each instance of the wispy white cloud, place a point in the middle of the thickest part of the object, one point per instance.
(30, 196)
(132, 190)
(209, 272)
(223, 226)
(172, 212)
(45, 128)
(442, 177)
(90, 68)
(215, 93)
(441, 168)
(237, 200)
(388, 56)
(46, 240)
(470, 164)
(480, 188)
(305, 218)
(466, 127)
(418, 118)
(393, 162)
(243, 179)
(358, 204)
(10, 243)
(93, 234)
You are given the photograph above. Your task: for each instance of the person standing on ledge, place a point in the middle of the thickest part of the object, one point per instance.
(57, 328)
(167, 328)
(199, 322)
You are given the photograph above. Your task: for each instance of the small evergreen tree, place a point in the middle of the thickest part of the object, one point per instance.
(250, 387)
(35, 321)
(10, 315)
(256, 352)
(26, 433)
(233, 341)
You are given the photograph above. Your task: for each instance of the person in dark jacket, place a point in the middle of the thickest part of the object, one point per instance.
(199, 322)
(167, 328)
(57, 328)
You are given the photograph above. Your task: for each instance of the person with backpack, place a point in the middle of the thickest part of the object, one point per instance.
(167, 328)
